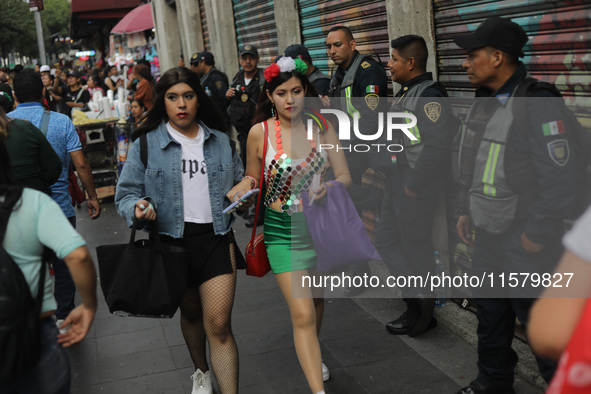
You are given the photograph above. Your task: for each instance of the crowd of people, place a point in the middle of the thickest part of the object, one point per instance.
(512, 215)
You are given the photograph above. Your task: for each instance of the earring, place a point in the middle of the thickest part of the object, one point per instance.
(273, 114)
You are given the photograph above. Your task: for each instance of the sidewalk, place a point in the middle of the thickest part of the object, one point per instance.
(135, 355)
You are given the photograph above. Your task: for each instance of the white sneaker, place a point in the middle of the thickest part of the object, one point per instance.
(201, 382)
(325, 372)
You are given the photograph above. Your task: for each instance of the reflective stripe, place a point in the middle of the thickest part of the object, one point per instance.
(350, 108)
(488, 178)
(414, 131)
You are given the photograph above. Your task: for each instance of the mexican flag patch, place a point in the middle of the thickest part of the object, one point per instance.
(553, 128)
(393, 159)
(372, 89)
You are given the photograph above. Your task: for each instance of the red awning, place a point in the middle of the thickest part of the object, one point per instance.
(138, 19)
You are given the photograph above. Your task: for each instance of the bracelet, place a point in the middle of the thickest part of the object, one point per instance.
(91, 197)
(253, 181)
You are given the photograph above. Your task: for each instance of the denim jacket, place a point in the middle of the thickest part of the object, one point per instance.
(161, 184)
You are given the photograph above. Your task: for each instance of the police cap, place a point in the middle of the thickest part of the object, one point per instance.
(207, 57)
(249, 49)
(297, 51)
(496, 32)
(194, 59)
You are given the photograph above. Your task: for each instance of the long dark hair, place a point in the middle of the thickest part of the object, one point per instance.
(9, 186)
(144, 72)
(264, 106)
(207, 112)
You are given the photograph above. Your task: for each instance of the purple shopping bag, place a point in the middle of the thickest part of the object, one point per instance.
(338, 234)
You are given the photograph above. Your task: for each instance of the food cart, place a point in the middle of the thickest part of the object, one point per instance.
(99, 144)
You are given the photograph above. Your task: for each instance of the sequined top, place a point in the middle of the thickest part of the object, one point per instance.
(286, 178)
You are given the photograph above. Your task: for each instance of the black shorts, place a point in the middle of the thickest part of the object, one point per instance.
(209, 253)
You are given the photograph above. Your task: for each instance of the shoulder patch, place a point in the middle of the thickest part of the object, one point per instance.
(559, 151)
(372, 100)
(218, 84)
(365, 64)
(433, 111)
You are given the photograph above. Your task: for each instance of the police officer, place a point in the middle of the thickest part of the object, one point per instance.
(415, 180)
(243, 94)
(213, 81)
(518, 184)
(194, 62)
(358, 79)
(242, 97)
(320, 80)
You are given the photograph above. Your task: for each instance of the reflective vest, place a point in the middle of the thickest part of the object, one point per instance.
(316, 75)
(345, 89)
(493, 202)
(408, 103)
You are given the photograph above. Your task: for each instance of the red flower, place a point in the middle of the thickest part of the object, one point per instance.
(271, 72)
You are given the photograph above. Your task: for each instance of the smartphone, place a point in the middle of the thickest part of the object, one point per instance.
(246, 195)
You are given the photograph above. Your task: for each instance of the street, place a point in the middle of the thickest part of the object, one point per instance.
(138, 355)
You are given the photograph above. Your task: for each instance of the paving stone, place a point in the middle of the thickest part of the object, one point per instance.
(133, 365)
(134, 355)
(131, 342)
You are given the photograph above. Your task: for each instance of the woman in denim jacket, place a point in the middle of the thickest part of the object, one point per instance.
(191, 167)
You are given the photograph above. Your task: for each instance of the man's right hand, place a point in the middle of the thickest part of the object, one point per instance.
(230, 93)
(464, 229)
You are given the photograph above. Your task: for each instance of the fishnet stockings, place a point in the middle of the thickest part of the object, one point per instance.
(207, 312)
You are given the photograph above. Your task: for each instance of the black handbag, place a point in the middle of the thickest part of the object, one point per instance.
(143, 278)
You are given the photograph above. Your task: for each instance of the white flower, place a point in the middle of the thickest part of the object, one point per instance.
(286, 64)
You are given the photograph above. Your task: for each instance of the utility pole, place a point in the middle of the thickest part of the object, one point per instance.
(36, 6)
(40, 40)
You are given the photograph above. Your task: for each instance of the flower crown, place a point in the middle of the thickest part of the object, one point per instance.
(285, 64)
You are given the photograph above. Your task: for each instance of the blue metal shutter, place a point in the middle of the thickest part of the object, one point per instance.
(255, 25)
(367, 20)
(559, 51)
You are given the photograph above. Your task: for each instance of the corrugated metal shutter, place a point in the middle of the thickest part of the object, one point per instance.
(559, 51)
(255, 25)
(204, 28)
(367, 20)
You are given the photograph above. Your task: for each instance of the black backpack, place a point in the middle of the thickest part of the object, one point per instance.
(582, 137)
(19, 315)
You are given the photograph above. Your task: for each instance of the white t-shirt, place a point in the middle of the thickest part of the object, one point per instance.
(577, 240)
(197, 206)
(247, 80)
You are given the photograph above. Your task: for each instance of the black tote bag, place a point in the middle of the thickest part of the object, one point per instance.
(143, 278)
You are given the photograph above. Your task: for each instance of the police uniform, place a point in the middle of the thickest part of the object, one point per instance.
(321, 81)
(243, 104)
(317, 78)
(364, 78)
(403, 233)
(215, 84)
(530, 187)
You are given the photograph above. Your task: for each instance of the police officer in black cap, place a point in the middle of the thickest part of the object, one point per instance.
(243, 94)
(519, 181)
(415, 180)
(194, 62)
(213, 81)
(242, 98)
(320, 80)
